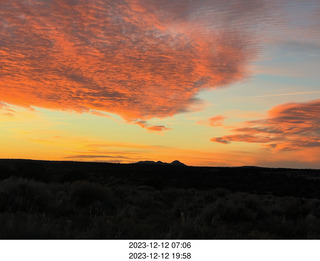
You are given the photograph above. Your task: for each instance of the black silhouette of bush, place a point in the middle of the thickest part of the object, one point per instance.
(91, 196)
(17, 194)
(220, 192)
(144, 199)
(126, 201)
(33, 226)
(73, 175)
(295, 207)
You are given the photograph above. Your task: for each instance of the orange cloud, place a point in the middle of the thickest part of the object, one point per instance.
(215, 121)
(113, 159)
(291, 126)
(145, 125)
(137, 59)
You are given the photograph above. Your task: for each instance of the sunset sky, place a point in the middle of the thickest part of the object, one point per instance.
(206, 82)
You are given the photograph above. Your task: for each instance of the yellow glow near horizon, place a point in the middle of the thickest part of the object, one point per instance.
(204, 82)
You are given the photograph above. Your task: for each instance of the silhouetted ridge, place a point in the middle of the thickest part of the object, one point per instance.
(149, 162)
(177, 163)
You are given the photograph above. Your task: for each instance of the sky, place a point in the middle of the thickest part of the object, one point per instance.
(205, 82)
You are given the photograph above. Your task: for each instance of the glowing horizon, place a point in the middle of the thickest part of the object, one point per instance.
(206, 82)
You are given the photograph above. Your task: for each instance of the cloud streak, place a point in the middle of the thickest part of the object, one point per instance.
(215, 121)
(137, 59)
(284, 94)
(290, 126)
(6, 110)
(94, 156)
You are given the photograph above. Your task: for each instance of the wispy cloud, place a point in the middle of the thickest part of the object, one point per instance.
(94, 156)
(6, 110)
(215, 121)
(291, 126)
(100, 145)
(283, 94)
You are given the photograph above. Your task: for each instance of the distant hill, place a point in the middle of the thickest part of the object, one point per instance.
(174, 163)
(177, 163)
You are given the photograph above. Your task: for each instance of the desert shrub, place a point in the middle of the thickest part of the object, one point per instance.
(169, 196)
(101, 227)
(33, 226)
(252, 201)
(155, 182)
(145, 188)
(73, 175)
(60, 204)
(18, 194)
(209, 197)
(209, 214)
(91, 196)
(286, 228)
(295, 207)
(128, 211)
(143, 199)
(129, 228)
(315, 207)
(180, 206)
(220, 192)
(190, 228)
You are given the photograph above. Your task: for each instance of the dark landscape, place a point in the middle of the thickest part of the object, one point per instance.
(155, 200)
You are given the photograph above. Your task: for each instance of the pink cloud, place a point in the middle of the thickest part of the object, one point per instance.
(291, 126)
(144, 124)
(215, 121)
(136, 59)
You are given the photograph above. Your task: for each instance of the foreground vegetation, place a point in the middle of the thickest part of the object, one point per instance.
(87, 200)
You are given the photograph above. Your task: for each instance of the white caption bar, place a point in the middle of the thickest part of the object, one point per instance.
(118, 250)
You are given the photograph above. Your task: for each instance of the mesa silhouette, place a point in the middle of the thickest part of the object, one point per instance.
(156, 200)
